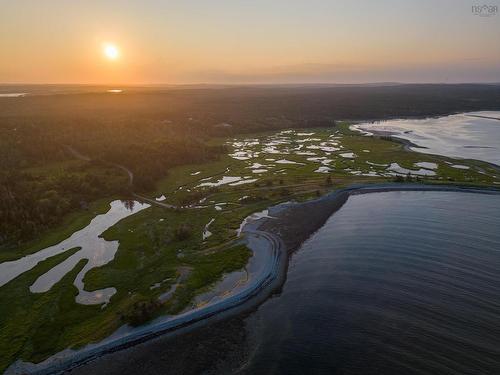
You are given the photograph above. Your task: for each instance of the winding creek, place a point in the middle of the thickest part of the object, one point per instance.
(92, 247)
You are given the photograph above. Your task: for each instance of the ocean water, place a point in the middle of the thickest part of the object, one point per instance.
(394, 283)
(474, 135)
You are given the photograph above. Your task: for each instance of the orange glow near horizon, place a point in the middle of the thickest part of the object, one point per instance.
(315, 41)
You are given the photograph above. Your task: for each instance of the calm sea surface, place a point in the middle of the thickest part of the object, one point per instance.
(474, 135)
(394, 283)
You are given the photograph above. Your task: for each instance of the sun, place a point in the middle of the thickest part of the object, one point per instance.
(111, 51)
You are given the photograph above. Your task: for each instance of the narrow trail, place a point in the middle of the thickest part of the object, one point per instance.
(130, 174)
(76, 154)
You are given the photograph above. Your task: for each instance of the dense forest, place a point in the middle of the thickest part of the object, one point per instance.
(151, 130)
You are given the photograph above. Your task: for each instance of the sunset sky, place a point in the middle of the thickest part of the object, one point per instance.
(234, 41)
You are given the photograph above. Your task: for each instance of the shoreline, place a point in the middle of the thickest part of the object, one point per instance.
(407, 144)
(288, 226)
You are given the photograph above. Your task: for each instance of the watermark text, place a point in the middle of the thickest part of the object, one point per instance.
(485, 10)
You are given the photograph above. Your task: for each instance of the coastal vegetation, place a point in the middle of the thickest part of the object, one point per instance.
(151, 131)
(201, 180)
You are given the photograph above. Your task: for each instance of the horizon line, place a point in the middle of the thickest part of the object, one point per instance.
(250, 83)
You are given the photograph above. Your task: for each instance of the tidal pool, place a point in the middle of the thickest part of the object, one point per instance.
(224, 180)
(285, 161)
(92, 247)
(426, 165)
(206, 233)
(395, 168)
(467, 136)
(244, 182)
(348, 155)
(394, 283)
(323, 169)
(252, 218)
